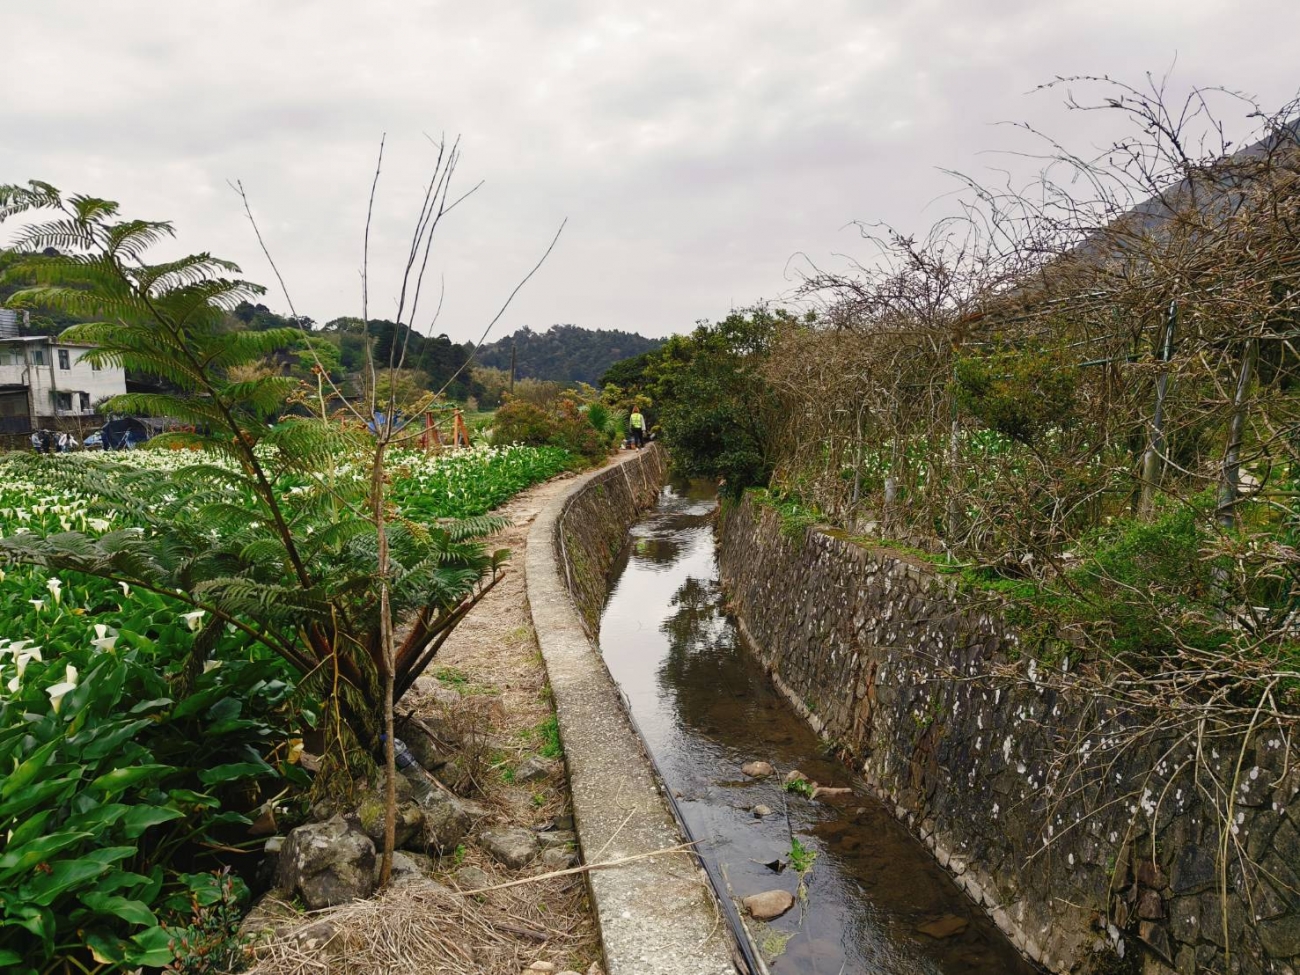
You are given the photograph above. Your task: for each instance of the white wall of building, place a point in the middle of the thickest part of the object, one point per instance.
(60, 380)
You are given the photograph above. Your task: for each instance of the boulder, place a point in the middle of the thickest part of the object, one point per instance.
(558, 859)
(758, 770)
(769, 905)
(761, 810)
(472, 878)
(327, 863)
(446, 821)
(534, 769)
(512, 846)
(407, 868)
(410, 822)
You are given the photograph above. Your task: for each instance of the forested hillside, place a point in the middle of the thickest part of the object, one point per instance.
(565, 353)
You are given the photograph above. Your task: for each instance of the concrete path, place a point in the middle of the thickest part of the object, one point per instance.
(657, 915)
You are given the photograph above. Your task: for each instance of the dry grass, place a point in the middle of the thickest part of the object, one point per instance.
(426, 928)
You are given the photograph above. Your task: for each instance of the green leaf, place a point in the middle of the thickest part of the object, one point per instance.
(232, 772)
(8, 957)
(20, 859)
(63, 876)
(101, 744)
(39, 795)
(153, 947)
(200, 701)
(131, 911)
(157, 702)
(140, 818)
(26, 773)
(119, 780)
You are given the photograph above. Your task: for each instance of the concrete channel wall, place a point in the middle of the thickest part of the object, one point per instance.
(1104, 860)
(657, 915)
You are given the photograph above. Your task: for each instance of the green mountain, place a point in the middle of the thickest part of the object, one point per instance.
(565, 353)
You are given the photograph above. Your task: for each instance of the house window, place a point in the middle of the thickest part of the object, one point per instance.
(94, 366)
(38, 357)
(63, 402)
(85, 402)
(65, 360)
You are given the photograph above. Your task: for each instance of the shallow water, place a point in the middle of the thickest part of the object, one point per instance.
(705, 707)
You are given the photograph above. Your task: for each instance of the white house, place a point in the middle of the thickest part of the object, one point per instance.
(48, 384)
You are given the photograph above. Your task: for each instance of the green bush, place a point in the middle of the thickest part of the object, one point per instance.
(566, 427)
(114, 777)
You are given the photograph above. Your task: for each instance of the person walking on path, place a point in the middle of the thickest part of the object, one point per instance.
(636, 422)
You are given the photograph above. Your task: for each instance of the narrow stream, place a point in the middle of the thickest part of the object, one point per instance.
(706, 707)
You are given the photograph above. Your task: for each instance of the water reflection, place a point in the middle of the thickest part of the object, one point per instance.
(706, 707)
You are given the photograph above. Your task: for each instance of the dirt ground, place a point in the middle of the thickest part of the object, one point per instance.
(487, 697)
(490, 679)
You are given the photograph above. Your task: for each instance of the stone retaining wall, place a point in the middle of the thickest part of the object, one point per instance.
(1107, 861)
(657, 915)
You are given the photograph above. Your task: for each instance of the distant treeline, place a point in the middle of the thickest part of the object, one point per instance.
(564, 353)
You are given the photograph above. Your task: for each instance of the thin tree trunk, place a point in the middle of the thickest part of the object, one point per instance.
(1153, 458)
(386, 639)
(1231, 474)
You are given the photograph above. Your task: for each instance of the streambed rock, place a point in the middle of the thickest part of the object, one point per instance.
(768, 905)
(945, 927)
(327, 863)
(758, 770)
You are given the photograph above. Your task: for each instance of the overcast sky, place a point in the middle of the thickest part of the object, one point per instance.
(693, 147)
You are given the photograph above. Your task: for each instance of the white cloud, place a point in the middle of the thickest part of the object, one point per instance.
(694, 148)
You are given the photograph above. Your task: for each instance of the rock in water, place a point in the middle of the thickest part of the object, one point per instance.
(757, 770)
(328, 863)
(794, 775)
(944, 927)
(769, 905)
(512, 846)
(760, 811)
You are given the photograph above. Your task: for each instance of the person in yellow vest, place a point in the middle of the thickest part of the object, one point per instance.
(636, 423)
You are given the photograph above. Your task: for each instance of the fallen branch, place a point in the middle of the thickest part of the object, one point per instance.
(585, 868)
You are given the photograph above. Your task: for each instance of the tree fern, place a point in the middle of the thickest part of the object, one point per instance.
(270, 530)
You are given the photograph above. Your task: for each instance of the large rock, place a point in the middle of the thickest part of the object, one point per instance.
(757, 770)
(534, 769)
(557, 839)
(769, 905)
(327, 863)
(512, 846)
(410, 822)
(446, 821)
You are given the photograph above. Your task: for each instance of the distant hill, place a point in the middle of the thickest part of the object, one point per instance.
(565, 353)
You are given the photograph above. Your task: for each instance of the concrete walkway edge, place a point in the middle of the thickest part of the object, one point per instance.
(657, 915)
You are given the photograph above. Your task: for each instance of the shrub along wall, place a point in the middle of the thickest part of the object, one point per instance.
(1090, 857)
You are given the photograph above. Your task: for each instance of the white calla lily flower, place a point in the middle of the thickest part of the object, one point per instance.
(59, 691)
(194, 619)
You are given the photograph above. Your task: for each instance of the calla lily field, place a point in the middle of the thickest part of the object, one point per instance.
(128, 785)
